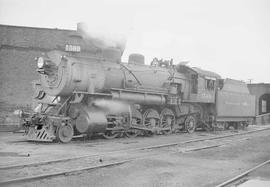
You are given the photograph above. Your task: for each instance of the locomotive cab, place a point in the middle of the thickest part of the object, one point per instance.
(202, 84)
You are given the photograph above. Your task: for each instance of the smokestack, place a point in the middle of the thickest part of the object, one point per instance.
(82, 29)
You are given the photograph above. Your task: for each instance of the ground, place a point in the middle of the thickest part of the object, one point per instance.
(166, 167)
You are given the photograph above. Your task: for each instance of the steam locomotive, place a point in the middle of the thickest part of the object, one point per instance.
(81, 92)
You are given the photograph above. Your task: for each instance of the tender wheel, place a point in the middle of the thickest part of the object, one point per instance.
(220, 126)
(226, 125)
(236, 125)
(246, 124)
(167, 120)
(190, 124)
(64, 133)
(151, 119)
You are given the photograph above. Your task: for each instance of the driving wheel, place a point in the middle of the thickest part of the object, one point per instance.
(190, 124)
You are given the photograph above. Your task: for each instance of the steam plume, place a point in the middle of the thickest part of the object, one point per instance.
(112, 107)
(101, 37)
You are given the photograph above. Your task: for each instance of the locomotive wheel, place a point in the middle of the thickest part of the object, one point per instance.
(111, 134)
(167, 120)
(151, 119)
(226, 125)
(236, 125)
(220, 125)
(132, 133)
(190, 124)
(246, 123)
(64, 133)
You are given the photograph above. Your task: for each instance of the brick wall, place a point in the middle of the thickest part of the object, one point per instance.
(258, 90)
(18, 48)
(33, 38)
(16, 74)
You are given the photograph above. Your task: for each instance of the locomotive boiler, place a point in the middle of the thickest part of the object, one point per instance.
(82, 92)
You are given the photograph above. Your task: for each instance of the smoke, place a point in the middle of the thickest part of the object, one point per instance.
(102, 37)
(112, 107)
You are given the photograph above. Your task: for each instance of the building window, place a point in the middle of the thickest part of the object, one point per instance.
(264, 104)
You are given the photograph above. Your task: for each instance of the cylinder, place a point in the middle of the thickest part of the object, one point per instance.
(91, 121)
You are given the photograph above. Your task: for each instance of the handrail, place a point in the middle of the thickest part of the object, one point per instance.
(122, 65)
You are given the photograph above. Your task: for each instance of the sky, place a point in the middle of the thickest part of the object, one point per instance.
(229, 37)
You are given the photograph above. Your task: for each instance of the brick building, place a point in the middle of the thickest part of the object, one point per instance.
(262, 94)
(18, 48)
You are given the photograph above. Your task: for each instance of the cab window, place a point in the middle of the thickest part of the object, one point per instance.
(194, 83)
(210, 84)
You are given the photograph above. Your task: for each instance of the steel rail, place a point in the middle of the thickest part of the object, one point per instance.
(114, 163)
(55, 174)
(71, 171)
(132, 149)
(204, 139)
(242, 174)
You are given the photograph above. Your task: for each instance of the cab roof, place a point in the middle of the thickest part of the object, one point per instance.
(206, 73)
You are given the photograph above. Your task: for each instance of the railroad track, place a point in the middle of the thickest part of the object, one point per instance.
(53, 168)
(242, 175)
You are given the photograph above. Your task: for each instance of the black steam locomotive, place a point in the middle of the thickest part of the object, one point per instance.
(82, 92)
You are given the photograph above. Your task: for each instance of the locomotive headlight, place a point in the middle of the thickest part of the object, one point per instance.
(45, 66)
(40, 62)
(18, 113)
